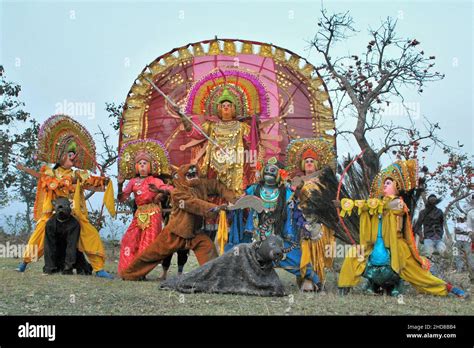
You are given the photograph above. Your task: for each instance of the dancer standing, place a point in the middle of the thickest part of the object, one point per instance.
(141, 162)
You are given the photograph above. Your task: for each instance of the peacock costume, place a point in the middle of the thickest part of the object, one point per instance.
(316, 237)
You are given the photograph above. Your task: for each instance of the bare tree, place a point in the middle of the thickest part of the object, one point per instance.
(364, 84)
(106, 158)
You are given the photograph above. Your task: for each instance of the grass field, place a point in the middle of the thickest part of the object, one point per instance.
(32, 293)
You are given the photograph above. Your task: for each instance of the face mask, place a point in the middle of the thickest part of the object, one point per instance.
(270, 174)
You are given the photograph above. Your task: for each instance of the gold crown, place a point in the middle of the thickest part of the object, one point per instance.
(403, 172)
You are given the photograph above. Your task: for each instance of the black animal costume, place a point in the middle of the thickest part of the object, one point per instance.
(61, 238)
(246, 269)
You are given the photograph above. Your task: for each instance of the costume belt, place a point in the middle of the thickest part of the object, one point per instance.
(144, 213)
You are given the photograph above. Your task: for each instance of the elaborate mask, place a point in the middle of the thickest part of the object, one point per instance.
(271, 174)
(62, 207)
(309, 165)
(226, 110)
(270, 249)
(67, 161)
(186, 176)
(69, 156)
(402, 174)
(309, 155)
(192, 173)
(143, 168)
(134, 155)
(226, 107)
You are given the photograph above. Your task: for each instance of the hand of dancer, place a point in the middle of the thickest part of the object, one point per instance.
(153, 188)
(120, 179)
(218, 208)
(158, 198)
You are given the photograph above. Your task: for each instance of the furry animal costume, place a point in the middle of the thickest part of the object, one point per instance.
(247, 269)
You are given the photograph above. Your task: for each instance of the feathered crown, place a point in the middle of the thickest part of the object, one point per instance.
(318, 148)
(403, 172)
(59, 135)
(149, 149)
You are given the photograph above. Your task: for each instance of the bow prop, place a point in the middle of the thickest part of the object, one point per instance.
(339, 187)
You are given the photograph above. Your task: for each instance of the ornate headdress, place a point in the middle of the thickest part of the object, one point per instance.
(321, 150)
(243, 88)
(59, 135)
(148, 149)
(403, 172)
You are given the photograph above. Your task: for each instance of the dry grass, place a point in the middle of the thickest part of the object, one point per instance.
(32, 293)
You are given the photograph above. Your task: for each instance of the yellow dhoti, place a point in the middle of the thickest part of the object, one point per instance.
(412, 272)
(404, 257)
(315, 253)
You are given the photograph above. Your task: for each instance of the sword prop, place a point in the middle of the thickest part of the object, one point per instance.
(252, 202)
(178, 110)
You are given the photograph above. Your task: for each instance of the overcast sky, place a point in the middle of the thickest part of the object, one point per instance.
(91, 51)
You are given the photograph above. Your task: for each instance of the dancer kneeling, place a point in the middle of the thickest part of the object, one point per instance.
(386, 238)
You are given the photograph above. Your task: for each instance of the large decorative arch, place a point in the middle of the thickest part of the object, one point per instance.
(270, 82)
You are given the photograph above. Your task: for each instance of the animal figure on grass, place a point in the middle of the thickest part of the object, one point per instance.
(246, 269)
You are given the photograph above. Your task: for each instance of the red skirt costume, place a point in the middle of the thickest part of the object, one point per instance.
(147, 220)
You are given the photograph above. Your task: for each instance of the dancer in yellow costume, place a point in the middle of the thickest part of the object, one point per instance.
(387, 240)
(67, 144)
(305, 157)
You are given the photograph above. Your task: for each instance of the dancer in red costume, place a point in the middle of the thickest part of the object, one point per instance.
(144, 159)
